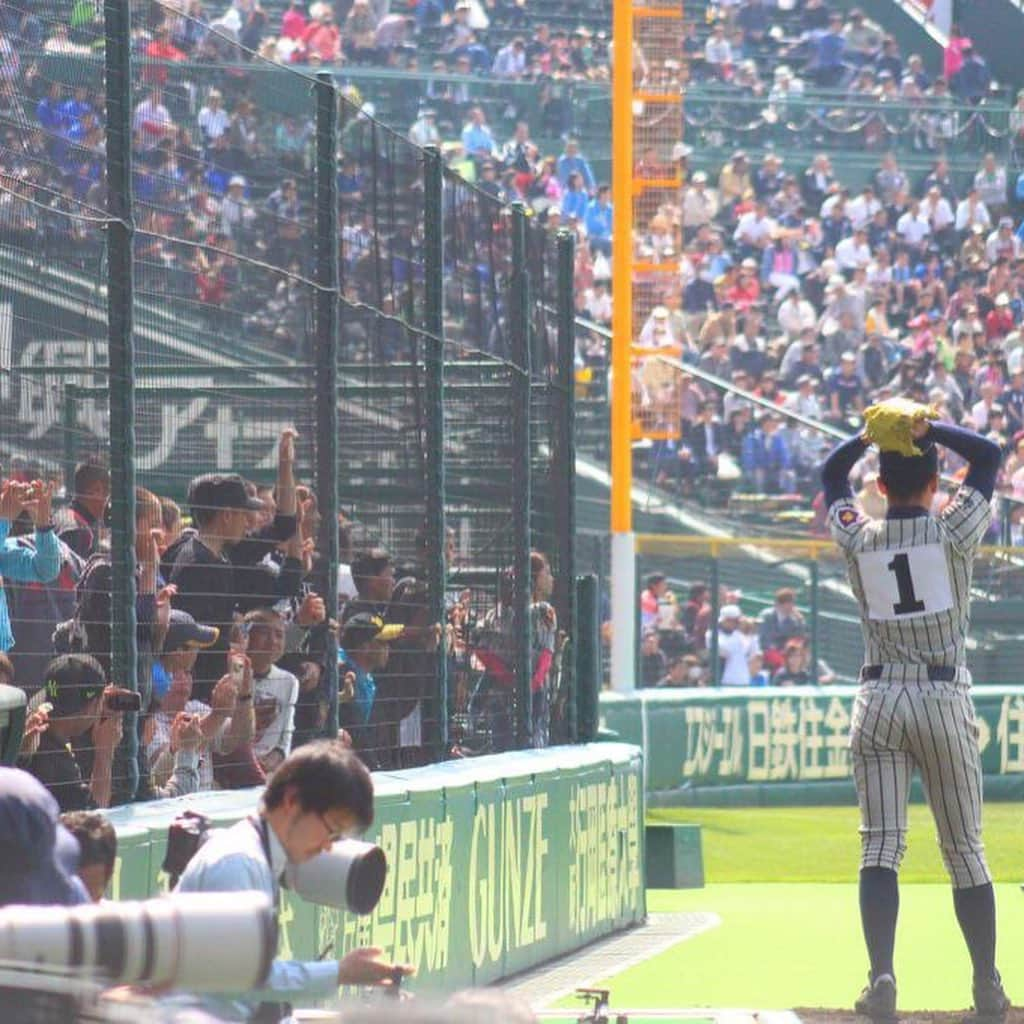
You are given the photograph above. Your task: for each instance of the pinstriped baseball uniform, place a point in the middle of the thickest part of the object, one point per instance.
(911, 574)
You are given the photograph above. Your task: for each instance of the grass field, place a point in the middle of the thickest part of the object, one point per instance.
(820, 844)
(783, 882)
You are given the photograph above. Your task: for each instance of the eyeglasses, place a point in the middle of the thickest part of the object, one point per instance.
(333, 834)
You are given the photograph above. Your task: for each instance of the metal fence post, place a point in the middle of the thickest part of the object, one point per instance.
(814, 612)
(69, 420)
(434, 355)
(716, 668)
(325, 361)
(563, 474)
(121, 353)
(519, 324)
(590, 672)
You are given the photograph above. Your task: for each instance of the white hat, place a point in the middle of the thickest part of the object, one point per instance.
(660, 312)
(236, 180)
(680, 150)
(729, 611)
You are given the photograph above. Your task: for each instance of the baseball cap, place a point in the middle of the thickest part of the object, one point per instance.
(729, 611)
(364, 627)
(221, 490)
(237, 179)
(72, 680)
(184, 633)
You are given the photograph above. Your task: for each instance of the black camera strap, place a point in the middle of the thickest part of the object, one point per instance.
(267, 1012)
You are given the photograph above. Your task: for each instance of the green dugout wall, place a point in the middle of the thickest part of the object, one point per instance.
(494, 864)
(782, 745)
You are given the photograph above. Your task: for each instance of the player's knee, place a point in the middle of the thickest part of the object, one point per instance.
(883, 848)
(966, 864)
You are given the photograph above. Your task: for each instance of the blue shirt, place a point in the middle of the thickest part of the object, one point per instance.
(25, 565)
(598, 219)
(232, 860)
(575, 165)
(476, 137)
(366, 686)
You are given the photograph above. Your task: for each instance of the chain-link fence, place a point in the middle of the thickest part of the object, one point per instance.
(211, 258)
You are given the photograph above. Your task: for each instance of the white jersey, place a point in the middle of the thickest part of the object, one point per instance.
(911, 576)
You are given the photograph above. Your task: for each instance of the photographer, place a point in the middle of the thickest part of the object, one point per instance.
(80, 703)
(319, 794)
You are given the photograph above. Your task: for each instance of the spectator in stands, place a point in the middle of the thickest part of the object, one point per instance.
(791, 670)
(75, 689)
(476, 136)
(990, 183)
(79, 524)
(275, 691)
(40, 856)
(829, 59)
(373, 573)
(780, 624)
(97, 848)
(424, 131)
(39, 563)
(364, 651)
(971, 83)
(597, 222)
(733, 648)
(718, 55)
(573, 162)
(322, 38)
(767, 457)
(653, 663)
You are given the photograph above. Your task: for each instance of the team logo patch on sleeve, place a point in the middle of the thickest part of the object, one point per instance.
(847, 516)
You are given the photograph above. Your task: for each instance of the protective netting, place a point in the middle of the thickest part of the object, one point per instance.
(227, 442)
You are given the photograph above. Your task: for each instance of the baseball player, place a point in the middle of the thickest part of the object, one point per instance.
(911, 574)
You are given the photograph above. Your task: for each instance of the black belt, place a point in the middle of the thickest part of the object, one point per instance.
(936, 673)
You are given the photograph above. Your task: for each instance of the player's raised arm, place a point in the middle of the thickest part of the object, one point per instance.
(983, 456)
(835, 474)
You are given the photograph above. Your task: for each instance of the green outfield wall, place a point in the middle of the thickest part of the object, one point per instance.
(781, 745)
(494, 864)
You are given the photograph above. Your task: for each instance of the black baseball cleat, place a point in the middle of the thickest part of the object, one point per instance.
(878, 1000)
(991, 1003)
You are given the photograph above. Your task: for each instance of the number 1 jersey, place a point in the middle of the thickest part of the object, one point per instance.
(911, 575)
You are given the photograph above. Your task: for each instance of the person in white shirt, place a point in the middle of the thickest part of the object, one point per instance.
(657, 331)
(853, 252)
(733, 647)
(151, 121)
(213, 119)
(275, 692)
(913, 227)
(805, 400)
(938, 211)
(755, 228)
(970, 211)
(717, 51)
(1003, 242)
(320, 794)
(862, 208)
(795, 314)
(221, 730)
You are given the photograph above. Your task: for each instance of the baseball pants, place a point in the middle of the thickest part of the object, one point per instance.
(896, 727)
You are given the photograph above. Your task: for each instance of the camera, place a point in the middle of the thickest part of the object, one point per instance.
(122, 700)
(201, 942)
(349, 876)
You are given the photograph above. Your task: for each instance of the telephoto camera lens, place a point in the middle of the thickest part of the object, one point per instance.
(200, 942)
(350, 876)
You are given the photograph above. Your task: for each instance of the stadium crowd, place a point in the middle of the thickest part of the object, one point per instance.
(793, 286)
(232, 638)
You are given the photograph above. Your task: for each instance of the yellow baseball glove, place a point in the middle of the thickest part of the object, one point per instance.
(887, 424)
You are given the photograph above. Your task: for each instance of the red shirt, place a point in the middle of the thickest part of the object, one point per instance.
(998, 323)
(293, 24)
(158, 50)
